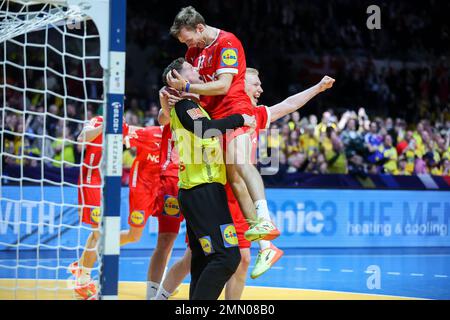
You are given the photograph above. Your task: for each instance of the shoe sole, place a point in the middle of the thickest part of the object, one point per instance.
(269, 236)
(275, 260)
(84, 297)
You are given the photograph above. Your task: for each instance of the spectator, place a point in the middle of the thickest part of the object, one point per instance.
(390, 156)
(334, 152)
(63, 146)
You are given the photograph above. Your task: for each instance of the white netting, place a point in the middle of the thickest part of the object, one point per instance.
(51, 83)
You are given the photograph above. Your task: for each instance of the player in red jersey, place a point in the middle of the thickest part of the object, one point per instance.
(220, 59)
(89, 198)
(169, 215)
(264, 116)
(144, 181)
(153, 192)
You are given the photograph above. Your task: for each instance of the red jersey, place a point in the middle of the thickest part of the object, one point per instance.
(90, 173)
(262, 117)
(93, 154)
(224, 55)
(146, 166)
(169, 156)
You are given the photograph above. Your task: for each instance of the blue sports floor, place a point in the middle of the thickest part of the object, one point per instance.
(416, 273)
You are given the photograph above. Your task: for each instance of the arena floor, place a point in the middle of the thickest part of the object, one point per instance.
(317, 274)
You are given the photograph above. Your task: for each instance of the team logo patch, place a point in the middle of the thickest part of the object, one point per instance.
(95, 215)
(206, 244)
(229, 57)
(171, 206)
(195, 113)
(137, 217)
(229, 235)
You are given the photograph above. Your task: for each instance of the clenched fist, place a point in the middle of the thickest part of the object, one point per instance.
(326, 83)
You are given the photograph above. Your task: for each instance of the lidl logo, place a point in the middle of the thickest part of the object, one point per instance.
(229, 57)
(206, 244)
(137, 217)
(95, 215)
(171, 206)
(229, 235)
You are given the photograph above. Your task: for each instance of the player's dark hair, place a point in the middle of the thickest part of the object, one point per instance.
(188, 18)
(176, 64)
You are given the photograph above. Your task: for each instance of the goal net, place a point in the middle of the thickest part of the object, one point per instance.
(53, 80)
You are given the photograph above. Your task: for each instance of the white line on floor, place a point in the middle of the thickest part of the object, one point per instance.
(301, 269)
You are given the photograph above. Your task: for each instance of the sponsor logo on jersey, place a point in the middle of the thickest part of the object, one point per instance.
(229, 235)
(95, 215)
(229, 57)
(153, 158)
(137, 217)
(171, 206)
(206, 244)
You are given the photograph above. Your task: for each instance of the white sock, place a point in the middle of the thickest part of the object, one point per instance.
(163, 294)
(85, 275)
(262, 211)
(263, 244)
(152, 289)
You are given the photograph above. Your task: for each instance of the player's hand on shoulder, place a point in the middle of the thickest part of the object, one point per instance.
(326, 83)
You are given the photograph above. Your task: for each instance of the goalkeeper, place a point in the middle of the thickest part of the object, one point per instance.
(202, 197)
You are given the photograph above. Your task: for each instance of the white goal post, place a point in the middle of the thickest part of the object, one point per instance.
(57, 55)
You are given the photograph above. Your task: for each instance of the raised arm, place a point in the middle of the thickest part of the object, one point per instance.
(89, 133)
(298, 100)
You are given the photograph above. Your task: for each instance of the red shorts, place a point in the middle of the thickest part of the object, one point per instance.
(169, 216)
(89, 198)
(143, 202)
(230, 135)
(240, 223)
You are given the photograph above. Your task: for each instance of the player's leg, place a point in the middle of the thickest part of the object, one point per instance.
(198, 259)
(89, 199)
(175, 276)
(268, 254)
(206, 211)
(169, 220)
(239, 151)
(142, 199)
(239, 188)
(235, 286)
(131, 235)
(89, 255)
(158, 262)
(242, 171)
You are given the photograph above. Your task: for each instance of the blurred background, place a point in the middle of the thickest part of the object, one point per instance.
(388, 112)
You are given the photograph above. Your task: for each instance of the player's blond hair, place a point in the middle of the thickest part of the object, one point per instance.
(187, 18)
(252, 71)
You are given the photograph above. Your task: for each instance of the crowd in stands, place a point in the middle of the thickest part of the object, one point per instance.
(355, 144)
(389, 111)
